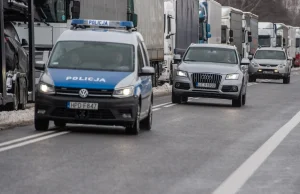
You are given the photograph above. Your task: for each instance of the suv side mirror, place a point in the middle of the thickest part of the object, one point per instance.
(75, 10)
(40, 65)
(250, 57)
(24, 42)
(147, 71)
(177, 58)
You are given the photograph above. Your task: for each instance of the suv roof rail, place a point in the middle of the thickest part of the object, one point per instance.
(106, 24)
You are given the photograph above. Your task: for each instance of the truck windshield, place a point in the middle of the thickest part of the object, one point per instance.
(100, 56)
(265, 54)
(54, 10)
(264, 41)
(211, 55)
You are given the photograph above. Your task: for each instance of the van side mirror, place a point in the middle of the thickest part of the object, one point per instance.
(250, 57)
(147, 71)
(24, 42)
(230, 33)
(40, 65)
(75, 10)
(245, 61)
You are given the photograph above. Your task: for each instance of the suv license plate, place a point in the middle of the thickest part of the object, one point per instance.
(82, 105)
(207, 85)
(268, 72)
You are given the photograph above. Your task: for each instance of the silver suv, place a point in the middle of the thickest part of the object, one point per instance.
(210, 71)
(270, 63)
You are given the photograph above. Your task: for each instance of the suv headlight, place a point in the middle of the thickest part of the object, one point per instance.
(234, 76)
(181, 73)
(46, 88)
(124, 92)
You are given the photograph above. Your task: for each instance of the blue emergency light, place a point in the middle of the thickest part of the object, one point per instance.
(101, 23)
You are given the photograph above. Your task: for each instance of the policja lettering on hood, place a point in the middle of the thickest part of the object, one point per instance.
(86, 79)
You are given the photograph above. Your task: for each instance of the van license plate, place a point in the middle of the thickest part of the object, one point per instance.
(206, 85)
(82, 105)
(268, 72)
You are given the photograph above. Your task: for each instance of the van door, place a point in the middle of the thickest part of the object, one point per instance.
(146, 83)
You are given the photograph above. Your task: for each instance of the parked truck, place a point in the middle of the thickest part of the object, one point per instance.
(232, 27)
(267, 32)
(147, 15)
(282, 36)
(181, 30)
(297, 58)
(210, 19)
(292, 43)
(250, 34)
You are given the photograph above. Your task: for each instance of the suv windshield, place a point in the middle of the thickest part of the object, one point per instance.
(268, 54)
(211, 55)
(93, 56)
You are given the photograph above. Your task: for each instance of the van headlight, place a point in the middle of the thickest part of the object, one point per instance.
(46, 88)
(233, 76)
(124, 92)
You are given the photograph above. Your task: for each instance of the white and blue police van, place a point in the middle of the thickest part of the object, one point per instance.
(98, 73)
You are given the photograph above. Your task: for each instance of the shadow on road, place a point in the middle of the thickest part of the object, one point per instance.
(98, 130)
(207, 104)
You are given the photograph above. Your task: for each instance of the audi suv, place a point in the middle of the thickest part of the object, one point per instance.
(210, 71)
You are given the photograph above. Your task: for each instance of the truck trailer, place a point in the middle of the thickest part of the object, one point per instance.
(292, 43)
(232, 27)
(181, 30)
(282, 36)
(210, 21)
(146, 15)
(267, 34)
(250, 34)
(17, 78)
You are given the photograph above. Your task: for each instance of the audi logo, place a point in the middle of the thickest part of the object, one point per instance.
(206, 76)
(83, 93)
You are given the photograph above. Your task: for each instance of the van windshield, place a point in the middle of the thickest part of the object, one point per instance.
(93, 56)
(211, 55)
(269, 54)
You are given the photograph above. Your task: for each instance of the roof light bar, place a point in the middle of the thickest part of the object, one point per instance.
(102, 23)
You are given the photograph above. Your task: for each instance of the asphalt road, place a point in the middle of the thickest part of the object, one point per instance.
(205, 146)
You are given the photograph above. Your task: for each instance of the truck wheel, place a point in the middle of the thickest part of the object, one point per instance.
(25, 96)
(59, 124)
(135, 128)
(41, 124)
(146, 124)
(15, 104)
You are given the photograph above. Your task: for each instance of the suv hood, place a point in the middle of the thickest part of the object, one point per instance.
(269, 61)
(220, 68)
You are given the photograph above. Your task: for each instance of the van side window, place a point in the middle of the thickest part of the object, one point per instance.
(140, 58)
(147, 63)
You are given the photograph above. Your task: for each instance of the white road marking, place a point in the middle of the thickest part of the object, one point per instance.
(159, 105)
(240, 176)
(155, 109)
(25, 138)
(169, 105)
(32, 141)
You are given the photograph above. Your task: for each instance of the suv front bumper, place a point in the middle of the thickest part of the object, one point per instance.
(268, 72)
(111, 111)
(227, 89)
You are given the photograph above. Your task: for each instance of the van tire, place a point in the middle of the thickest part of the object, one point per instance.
(41, 124)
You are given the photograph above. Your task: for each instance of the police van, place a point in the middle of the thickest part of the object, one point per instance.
(98, 73)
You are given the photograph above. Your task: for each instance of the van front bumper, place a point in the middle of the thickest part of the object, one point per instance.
(111, 111)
